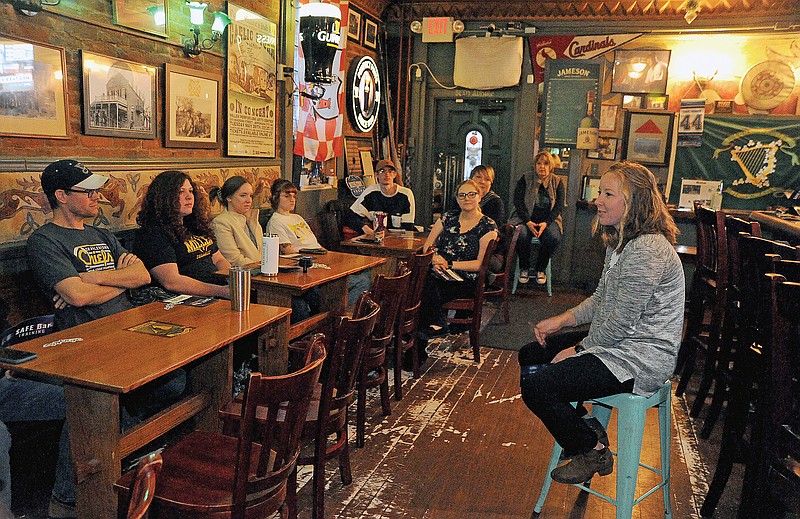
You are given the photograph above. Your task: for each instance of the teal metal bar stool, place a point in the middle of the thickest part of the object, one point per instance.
(548, 272)
(630, 430)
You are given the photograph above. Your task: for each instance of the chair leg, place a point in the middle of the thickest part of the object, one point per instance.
(318, 511)
(690, 348)
(475, 335)
(291, 494)
(665, 437)
(398, 369)
(506, 304)
(549, 273)
(630, 431)
(361, 413)
(515, 276)
(554, 455)
(720, 395)
(385, 404)
(344, 462)
(709, 369)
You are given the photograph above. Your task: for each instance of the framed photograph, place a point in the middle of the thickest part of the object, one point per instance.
(591, 187)
(119, 97)
(33, 98)
(632, 101)
(648, 136)
(354, 25)
(150, 16)
(608, 117)
(640, 71)
(370, 34)
(193, 106)
(656, 101)
(606, 149)
(365, 155)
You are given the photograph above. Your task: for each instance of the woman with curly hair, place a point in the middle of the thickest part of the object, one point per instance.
(636, 317)
(175, 240)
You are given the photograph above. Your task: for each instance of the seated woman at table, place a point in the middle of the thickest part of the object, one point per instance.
(236, 228)
(636, 317)
(175, 240)
(295, 234)
(459, 239)
(538, 202)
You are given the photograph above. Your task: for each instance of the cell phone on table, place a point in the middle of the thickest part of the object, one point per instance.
(12, 356)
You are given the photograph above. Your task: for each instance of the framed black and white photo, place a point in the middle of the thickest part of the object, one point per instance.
(370, 34)
(193, 108)
(120, 97)
(354, 25)
(640, 71)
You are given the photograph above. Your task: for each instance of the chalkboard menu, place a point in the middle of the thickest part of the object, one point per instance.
(566, 84)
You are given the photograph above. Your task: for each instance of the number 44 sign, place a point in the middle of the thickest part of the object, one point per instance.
(690, 122)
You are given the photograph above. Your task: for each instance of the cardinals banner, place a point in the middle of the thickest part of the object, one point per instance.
(572, 47)
(319, 107)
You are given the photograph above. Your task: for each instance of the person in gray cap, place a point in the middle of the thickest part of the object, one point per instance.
(385, 196)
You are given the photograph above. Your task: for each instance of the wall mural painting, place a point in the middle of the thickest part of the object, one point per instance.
(24, 207)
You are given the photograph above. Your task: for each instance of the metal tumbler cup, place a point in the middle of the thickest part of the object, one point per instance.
(239, 284)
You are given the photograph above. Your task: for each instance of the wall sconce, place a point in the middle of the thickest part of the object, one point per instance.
(692, 8)
(194, 46)
(159, 16)
(31, 7)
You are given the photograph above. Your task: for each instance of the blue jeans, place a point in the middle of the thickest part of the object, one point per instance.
(5, 466)
(357, 284)
(550, 391)
(549, 241)
(23, 400)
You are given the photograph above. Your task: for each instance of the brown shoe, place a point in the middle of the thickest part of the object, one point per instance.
(583, 467)
(60, 510)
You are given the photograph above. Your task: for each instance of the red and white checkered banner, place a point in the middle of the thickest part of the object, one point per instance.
(572, 47)
(318, 121)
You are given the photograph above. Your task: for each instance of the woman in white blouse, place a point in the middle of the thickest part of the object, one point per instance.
(236, 228)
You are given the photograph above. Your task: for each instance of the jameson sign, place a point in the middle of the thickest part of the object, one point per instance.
(572, 47)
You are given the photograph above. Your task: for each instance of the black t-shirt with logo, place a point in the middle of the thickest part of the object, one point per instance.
(193, 255)
(56, 253)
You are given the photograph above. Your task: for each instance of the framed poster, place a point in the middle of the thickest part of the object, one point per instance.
(608, 117)
(640, 71)
(370, 34)
(656, 101)
(567, 85)
(633, 101)
(119, 97)
(365, 154)
(606, 149)
(354, 25)
(33, 99)
(251, 81)
(143, 15)
(648, 136)
(193, 107)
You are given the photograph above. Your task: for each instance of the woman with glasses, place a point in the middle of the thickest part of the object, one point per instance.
(459, 239)
(175, 240)
(538, 202)
(236, 228)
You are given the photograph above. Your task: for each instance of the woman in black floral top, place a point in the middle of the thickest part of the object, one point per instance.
(460, 240)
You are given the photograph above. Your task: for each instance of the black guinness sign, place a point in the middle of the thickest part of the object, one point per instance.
(365, 93)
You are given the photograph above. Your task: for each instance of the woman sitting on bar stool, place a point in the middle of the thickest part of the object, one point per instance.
(236, 228)
(175, 240)
(636, 317)
(538, 202)
(460, 239)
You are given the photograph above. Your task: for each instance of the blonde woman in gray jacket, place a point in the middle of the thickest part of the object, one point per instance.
(636, 315)
(538, 202)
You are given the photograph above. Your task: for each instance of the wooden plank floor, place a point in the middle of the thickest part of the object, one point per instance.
(462, 445)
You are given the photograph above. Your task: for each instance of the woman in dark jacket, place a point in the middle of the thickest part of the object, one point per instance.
(538, 202)
(491, 204)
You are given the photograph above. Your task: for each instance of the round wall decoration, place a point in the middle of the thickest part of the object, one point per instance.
(767, 84)
(364, 100)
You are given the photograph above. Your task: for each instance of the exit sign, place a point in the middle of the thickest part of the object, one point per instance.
(437, 30)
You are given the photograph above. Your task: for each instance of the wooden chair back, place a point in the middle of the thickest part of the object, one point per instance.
(405, 337)
(501, 286)
(756, 258)
(474, 305)
(388, 292)
(144, 485)
(733, 226)
(27, 329)
(711, 263)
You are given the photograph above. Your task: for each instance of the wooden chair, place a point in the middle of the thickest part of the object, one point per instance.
(500, 288)
(473, 306)
(734, 227)
(405, 336)
(388, 292)
(757, 257)
(144, 486)
(207, 474)
(708, 291)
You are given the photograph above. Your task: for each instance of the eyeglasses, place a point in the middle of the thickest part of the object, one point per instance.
(91, 193)
(386, 170)
(467, 196)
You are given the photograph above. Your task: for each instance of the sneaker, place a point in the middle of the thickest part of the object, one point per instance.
(523, 276)
(61, 510)
(583, 467)
(541, 278)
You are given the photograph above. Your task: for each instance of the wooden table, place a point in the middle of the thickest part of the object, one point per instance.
(279, 290)
(788, 228)
(111, 361)
(395, 246)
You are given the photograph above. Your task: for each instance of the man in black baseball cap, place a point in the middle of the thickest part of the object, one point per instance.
(69, 175)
